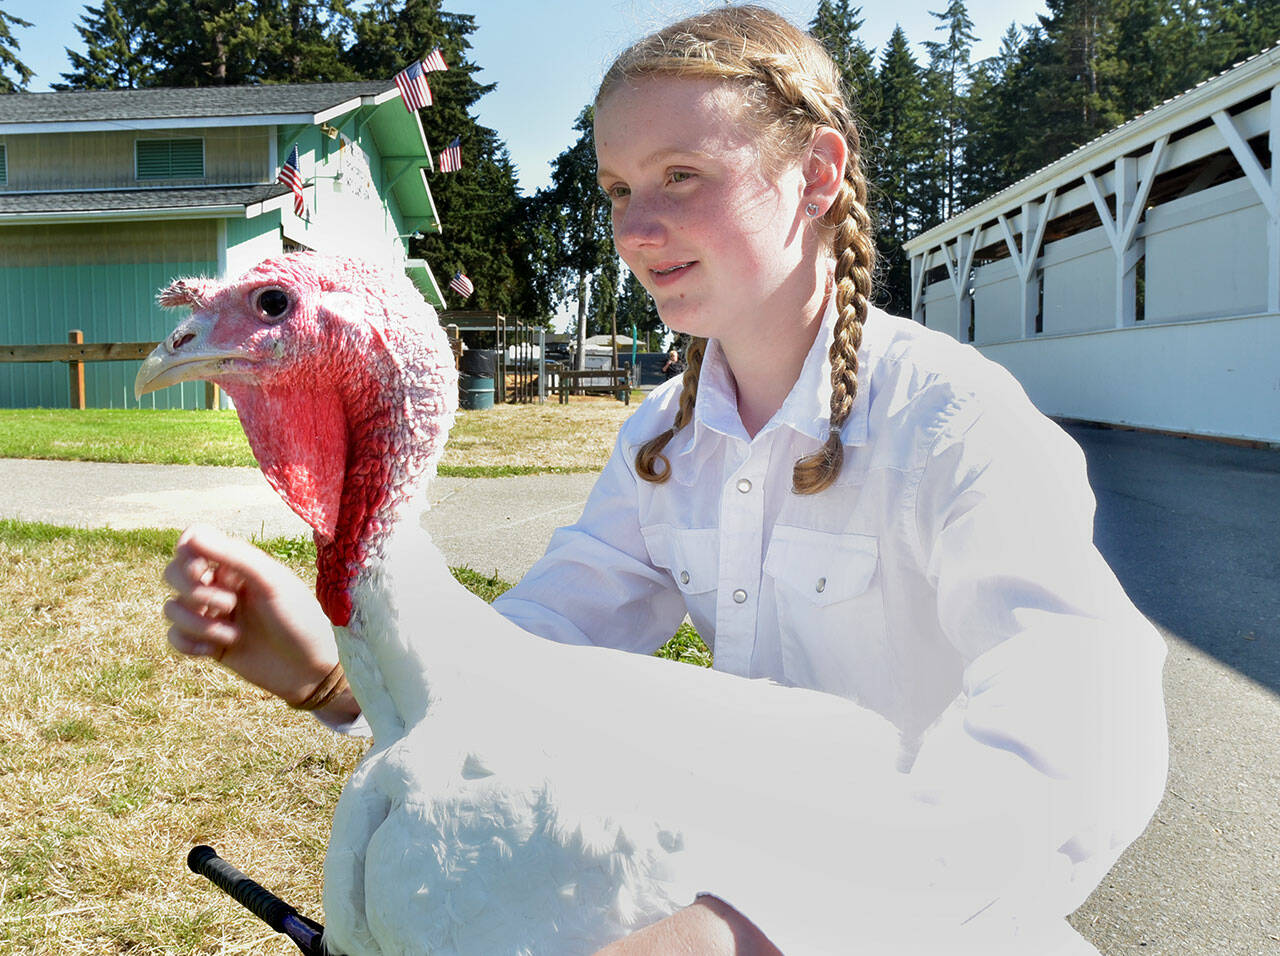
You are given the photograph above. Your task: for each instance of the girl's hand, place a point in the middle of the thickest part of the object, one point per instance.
(244, 609)
(710, 927)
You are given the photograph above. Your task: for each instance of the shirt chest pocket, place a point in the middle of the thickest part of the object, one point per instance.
(692, 556)
(830, 607)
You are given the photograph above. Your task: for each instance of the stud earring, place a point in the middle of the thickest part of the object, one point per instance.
(811, 210)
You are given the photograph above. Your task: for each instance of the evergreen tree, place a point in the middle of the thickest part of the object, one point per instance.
(949, 79)
(899, 163)
(112, 36)
(203, 42)
(637, 311)
(578, 214)
(996, 121)
(9, 61)
(306, 41)
(479, 204)
(836, 24)
(1076, 96)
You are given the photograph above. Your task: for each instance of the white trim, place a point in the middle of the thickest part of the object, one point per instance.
(140, 125)
(1250, 78)
(235, 210)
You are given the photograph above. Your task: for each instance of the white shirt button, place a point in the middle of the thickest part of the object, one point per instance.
(739, 595)
(684, 577)
(821, 585)
(744, 485)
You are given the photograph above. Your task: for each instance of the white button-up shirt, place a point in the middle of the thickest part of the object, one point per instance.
(948, 580)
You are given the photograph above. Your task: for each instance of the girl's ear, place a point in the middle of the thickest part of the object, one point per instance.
(824, 168)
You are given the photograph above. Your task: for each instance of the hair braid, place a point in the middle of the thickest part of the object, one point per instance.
(650, 452)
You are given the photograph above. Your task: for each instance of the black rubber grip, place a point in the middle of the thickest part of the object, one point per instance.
(264, 904)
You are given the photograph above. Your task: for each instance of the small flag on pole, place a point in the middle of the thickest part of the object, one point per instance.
(434, 61)
(292, 177)
(461, 285)
(412, 84)
(451, 158)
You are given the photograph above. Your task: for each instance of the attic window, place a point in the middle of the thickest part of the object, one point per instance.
(170, 158)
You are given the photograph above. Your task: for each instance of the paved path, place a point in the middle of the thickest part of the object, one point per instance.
(1190, 527)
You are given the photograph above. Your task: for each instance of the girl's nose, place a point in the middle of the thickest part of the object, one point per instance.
(637, 226)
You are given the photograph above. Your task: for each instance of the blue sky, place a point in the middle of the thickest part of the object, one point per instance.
(547, 55)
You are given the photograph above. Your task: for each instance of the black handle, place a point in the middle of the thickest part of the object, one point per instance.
(261, 902)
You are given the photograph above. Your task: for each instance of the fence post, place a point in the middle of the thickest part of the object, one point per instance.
(211, 396)
(76, 369)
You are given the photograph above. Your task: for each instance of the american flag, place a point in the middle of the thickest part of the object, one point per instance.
(412, 84)
(451, 158)
(292, 177)
(434, 61)
(461, 285)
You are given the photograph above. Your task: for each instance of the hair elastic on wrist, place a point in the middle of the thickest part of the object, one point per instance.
(329, 688)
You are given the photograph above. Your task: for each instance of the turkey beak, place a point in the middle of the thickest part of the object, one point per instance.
(184, 356)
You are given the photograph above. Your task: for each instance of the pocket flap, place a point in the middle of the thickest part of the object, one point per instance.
(691, 555)
(823, 567)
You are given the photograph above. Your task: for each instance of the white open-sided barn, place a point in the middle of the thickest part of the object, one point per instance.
(1135, 281)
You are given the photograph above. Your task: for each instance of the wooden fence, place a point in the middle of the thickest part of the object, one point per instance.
(77, 352)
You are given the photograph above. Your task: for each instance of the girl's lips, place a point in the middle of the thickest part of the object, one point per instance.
(671, 273)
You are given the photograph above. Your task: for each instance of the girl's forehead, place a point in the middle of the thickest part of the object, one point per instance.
(670, 112)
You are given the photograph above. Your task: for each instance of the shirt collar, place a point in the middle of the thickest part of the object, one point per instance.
(807, 407)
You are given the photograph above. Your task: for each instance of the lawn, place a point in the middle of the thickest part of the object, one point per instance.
(505, 440)
(116, 756)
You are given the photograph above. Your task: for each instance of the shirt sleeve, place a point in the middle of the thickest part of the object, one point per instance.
(1048, 764)
(596, 585)
(1061, 723)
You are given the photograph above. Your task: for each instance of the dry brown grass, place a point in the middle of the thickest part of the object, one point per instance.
(116, 757)
(513, 439)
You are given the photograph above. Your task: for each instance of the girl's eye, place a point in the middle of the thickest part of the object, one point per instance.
(617, 192)
(680, 175)
(272, 303)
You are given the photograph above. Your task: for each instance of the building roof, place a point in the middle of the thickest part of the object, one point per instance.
(247, 201)
(310, 102)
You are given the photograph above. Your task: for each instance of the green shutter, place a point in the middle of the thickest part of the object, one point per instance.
(170, 158)
(4, 167)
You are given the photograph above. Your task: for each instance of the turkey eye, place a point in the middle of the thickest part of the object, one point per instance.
(273, 303)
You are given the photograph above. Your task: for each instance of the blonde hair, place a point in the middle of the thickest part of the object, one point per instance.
(790, 88)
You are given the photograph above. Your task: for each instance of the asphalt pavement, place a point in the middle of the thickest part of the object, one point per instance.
(1190, 527)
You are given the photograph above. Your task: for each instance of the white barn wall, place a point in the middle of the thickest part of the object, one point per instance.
(940, 308)
(1079, 284)
(1141, 376)
(1207, 255)
(997, 296)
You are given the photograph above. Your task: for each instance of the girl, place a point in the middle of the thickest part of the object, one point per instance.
(839, 499)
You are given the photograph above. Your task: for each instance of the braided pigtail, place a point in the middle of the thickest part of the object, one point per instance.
(650, 453)
(855, 255)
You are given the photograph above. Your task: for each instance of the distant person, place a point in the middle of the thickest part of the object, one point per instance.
(673, 366)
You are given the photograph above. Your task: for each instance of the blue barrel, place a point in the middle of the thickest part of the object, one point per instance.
(475, 392)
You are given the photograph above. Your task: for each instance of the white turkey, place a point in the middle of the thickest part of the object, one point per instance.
(522, 796)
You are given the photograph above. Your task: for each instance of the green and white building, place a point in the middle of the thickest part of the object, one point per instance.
(105, 196)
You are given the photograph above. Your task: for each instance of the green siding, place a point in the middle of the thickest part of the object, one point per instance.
(43, 297)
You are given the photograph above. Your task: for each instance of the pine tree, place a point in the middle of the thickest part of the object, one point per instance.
(203, 42)
(9, 61)
(306, 42)
(637, 311)
(900, 151)
(112, 36)
(836, 24)
(479, 205)
(949, 79)
(1076, 96)
(578, 214)
(996, 121)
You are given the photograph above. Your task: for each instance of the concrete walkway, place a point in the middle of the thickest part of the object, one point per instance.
(492, 525)
(1190, 528)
